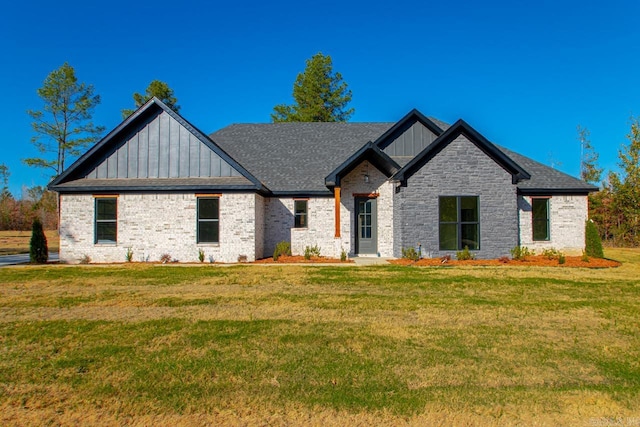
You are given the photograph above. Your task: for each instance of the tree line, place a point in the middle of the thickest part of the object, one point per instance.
(615, 209)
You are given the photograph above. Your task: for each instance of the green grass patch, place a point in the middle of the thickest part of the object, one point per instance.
(200, 340)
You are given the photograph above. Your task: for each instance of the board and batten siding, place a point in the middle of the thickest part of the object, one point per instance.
(410, 142)
(161, 148)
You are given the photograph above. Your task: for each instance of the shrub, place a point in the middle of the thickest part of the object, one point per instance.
(311, 251)
(165, 258)
(86, 259)
(242, 258)
(551, 253)
(465, 254)
(410, 253)
(201, 255)
(504, 259)
(585, 257)
(520, 253)
(561, 258)
(343, 255)
(129, 255)
(593, 244)
(445, 259)
(38, 250)
(282, 248)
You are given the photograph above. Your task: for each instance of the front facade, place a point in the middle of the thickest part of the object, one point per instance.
(156, 186)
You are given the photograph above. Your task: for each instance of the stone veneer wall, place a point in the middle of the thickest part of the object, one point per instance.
(460, 169)
(567, 217)
(279, 220)
(260, 226)
(154, 224)
(378, 183)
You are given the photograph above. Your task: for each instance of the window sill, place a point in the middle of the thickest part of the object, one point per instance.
(208, 245)
(108, 244)
(300, 228)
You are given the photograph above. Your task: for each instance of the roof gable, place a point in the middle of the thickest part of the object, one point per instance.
(403, 125)
(462, 128)
(369, 152)
(154, 143)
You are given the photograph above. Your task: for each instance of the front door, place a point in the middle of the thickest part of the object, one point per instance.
(366, 226)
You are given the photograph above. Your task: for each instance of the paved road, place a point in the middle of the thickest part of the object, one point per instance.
(22, 259)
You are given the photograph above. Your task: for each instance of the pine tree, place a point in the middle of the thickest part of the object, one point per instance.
(156, 88)
(319, 94)
(64, 125)
(38, 250)
(589, 170)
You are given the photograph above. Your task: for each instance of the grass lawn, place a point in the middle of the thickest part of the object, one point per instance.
(288, 345)
(17, 242)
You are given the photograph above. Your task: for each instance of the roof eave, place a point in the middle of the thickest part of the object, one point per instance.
(561, 191)
(462, 128)
(134, 117)
(407, 121)
(154, 188)
(369, 152)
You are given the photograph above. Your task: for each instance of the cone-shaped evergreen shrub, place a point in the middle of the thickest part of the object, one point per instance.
(38, 251)
(593, 244)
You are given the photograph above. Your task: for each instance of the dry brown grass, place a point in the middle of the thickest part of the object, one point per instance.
(17, 242)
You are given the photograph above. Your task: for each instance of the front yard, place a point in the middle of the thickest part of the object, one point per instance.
(244, 345)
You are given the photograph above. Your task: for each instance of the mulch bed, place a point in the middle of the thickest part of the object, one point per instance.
(299, 259)
(531, 261)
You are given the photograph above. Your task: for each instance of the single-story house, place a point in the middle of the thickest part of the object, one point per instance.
(157, 185)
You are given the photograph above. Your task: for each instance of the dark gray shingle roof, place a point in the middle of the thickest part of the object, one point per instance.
(544, 177)
(296, 157)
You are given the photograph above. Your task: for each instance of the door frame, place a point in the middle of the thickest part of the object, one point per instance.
(374, 222)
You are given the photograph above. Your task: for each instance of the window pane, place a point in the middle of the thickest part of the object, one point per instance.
(300, 206)
(208, 209)
(300, 213)
(300, 220)
(106, 209)
(448, 209)
(470, 236)
(469, 209)
(106, 232)
(540, 213)
(448, 236)
(208, 232)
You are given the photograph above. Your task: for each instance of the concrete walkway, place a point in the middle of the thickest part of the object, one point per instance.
(6, 260)
(370, 260)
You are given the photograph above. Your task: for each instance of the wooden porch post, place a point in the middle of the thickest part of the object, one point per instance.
(337, 210)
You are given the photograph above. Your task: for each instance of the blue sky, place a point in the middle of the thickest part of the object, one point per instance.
(524, 74)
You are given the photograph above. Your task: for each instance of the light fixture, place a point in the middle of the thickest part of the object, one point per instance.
(366, 178)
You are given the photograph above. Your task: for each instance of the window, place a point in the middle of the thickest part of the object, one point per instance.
(540, 214)
(300, 213)
(208, 220)
(459, 223)
(106, 227)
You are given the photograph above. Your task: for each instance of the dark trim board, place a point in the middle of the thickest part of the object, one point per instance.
(405, 123)
(158, 189)
(559, 191)
(145, 111)
(462, 128)
(369, 152)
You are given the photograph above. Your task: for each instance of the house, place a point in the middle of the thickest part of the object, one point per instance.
(157, 185)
